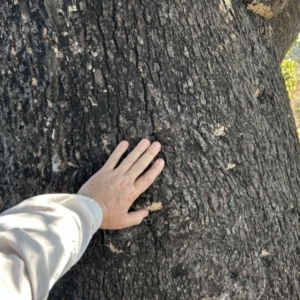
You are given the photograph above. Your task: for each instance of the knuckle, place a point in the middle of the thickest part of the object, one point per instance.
(148, 179)
(121, 184)
(131, 195)
(125, 181)
(140, 166)
(128, 162)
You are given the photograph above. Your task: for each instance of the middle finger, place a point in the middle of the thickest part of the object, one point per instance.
(143, 162)
(133, 156)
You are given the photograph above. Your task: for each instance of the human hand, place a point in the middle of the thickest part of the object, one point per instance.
(115, 189)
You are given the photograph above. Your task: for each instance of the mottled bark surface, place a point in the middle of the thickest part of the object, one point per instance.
(285, 27)
(77, 77)
(281, 22)
(266, 8)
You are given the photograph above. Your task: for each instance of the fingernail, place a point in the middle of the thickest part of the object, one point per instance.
(161, 162)
(124, 143)
(144, 142)
(156, 145)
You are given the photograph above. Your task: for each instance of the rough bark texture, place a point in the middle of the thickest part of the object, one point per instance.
(285, 27)
(267, 8)
(77, 77)
(284, 21)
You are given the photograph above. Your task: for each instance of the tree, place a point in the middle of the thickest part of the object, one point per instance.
(289, 73)
(203, 78)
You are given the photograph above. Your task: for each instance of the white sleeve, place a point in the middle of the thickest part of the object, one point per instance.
(41, 239)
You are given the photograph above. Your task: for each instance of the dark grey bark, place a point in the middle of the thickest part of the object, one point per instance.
(283, 23)
(285, 27)
(79, 76)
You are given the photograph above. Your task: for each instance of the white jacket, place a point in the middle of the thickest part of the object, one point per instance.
(41, 239)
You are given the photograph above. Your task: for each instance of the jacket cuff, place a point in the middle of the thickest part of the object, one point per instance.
(92, 208)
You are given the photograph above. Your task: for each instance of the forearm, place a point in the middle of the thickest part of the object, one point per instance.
(41, 239)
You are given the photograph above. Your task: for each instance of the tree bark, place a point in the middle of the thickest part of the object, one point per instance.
(285, 27)
(283, 23)
(79, 76)
(267, 8)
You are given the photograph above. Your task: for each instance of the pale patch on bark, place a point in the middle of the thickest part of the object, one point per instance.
(152, 207)
(155, 206)
(113, 249)
(72, 8)
(264, 253)
(45, 32)
(263, 10)
(56, 161)
(231, 166)
(220, 130)
(104, 145)
(225, 6)
(34, 81)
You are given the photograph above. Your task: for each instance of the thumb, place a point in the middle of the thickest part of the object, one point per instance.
(135, 217)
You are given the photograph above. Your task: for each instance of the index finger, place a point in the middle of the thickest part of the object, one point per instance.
(115, 156)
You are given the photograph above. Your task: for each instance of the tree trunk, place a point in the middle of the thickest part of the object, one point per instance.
(198, 76)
